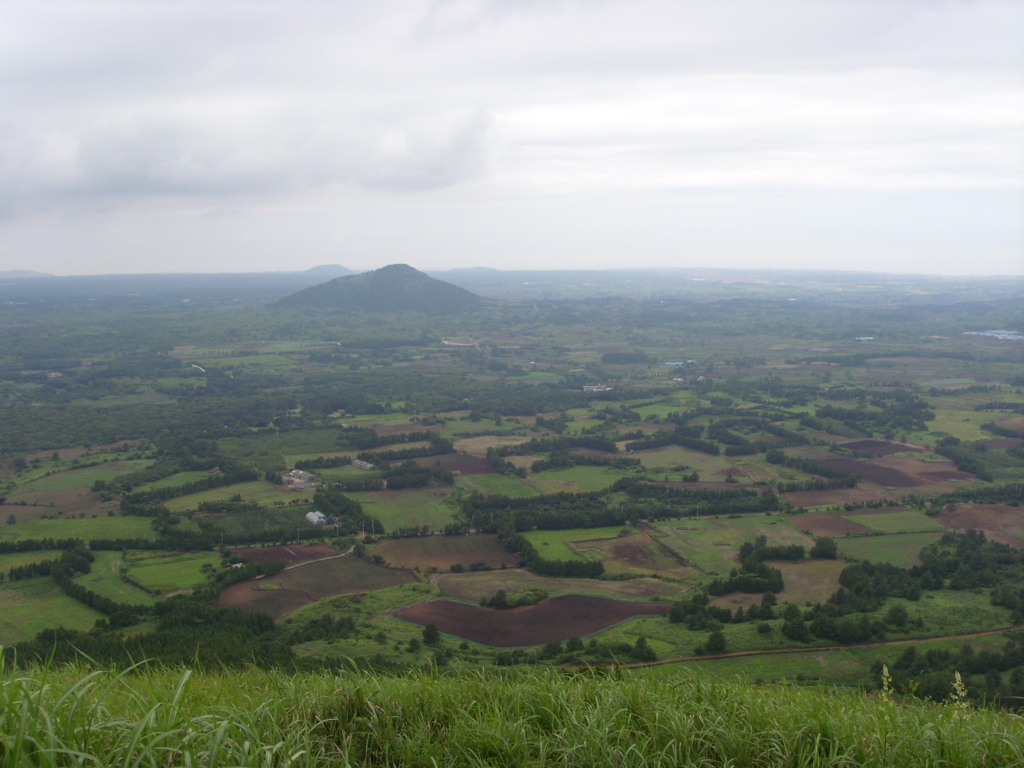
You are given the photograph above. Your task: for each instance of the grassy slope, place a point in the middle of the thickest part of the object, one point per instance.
(515, 719)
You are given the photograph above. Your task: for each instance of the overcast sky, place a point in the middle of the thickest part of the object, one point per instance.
(252, 136)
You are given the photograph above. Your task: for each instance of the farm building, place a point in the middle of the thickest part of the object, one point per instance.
(596, 388)
(360, 464)
(317, 518)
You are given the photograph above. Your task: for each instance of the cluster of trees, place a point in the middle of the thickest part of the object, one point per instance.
(563, 460)
(834, 478)
(965, 462)
(501, 600)
(141, 499)
(438, 446)
(698, 615)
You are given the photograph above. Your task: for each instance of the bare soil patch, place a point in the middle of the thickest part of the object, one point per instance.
(477, 446)
(554, 619)
(290, 590)
(442, 552)
(637, 553)
(290, 555)
(879, 447)
(1000, 522)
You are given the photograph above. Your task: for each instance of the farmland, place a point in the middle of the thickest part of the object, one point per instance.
(166, 572)
(555, 619)
(898, 549)
(442, 552)
(558, 545)
(712, 544)
(470, 587)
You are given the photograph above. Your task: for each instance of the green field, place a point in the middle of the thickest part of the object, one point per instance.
(15, 559)
(507, 485)
(712, 544)
(166, 572)
(898, 549)
(81, 528)
(575, 479)
(897, 522)
(84, 478)
(402, 508)
(260, 491)
(179, 478)
(554, 545)
(29, 606)
(105, 580)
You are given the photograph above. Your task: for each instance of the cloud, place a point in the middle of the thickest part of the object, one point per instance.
(124, 108)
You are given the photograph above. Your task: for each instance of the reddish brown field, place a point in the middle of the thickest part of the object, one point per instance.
(442, 552)
(290, 555)
(838, 496)
(874, 473)
(1003, 442)
(999, 521)
(462, 463)
(636, 553)
(833, 524)
(929, 471)
(557, 618)
(879, 447)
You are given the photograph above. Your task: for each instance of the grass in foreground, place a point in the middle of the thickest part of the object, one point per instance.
(69, 716)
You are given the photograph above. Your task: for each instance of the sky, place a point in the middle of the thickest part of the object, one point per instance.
(514, 134)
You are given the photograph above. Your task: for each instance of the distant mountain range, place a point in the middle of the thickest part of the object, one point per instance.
(394, 288)
(18, 273)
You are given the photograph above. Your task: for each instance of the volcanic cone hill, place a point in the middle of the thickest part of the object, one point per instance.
(394, 288)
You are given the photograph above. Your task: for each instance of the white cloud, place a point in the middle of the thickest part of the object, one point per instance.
(442, 116)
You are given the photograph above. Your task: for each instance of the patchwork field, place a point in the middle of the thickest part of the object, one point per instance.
(470, 587)
(1000, 522)
(305, 584)
(441, 552)
(558, 545)
(713, 544)
(901, 549)
(575, 479)
(837, 497)
(506, 485)
(880, 447)
(557, 618)
(827, 524)
(636, 553)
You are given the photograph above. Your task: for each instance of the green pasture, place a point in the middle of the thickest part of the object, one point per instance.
(84, 478)
(835, 667)
(402, 508)
(29, 606)
(674, 455)
(963, 424)
(259, 491)
(80, 528)
(581, 478)
(15, 559)
(166, 572)
(901, 549)
(179, 478)
(712, 544)
(897, 522)
(267, 451)
(554, 545)
(105, 580)
(291, 458)
(507, 485)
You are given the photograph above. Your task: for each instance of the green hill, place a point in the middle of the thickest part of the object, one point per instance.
(76, 715)
(394, 288)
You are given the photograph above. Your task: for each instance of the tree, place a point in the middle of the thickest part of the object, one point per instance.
(643, 652)
(574, 644)
(11, 519)
(431, 634)
(414, 644)
(716, 643)
(825, 549)
(897, 616)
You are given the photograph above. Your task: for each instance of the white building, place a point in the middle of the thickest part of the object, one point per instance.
(316, 518)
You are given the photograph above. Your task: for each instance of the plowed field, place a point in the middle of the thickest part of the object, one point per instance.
(879, 447)
(443, 552)
(999, 522)
(557, 618)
